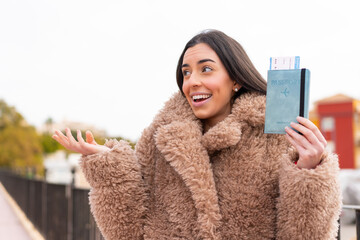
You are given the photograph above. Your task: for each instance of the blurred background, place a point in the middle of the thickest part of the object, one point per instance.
(109, 66)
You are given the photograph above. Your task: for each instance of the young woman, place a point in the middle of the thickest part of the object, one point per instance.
(204, 169)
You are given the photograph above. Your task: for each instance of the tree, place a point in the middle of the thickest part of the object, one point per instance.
(20, 144)
(9, 116)
(20, 147)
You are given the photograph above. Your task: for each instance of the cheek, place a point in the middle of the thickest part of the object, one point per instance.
(185, 88)
(186, 91)
(219, 86)
(212, 85)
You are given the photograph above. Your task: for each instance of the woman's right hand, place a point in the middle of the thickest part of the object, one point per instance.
(80, 146)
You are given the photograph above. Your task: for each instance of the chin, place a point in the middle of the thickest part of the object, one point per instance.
(201, 116)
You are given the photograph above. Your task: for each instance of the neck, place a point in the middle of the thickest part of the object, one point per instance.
(210, 122)
(206, 126)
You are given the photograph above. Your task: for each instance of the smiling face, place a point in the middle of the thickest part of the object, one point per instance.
(206, 84)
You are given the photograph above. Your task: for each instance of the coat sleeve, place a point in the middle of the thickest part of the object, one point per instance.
(309, 201)
(117, 195)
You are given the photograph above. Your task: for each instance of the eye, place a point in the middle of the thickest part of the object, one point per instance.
(186, 73)
(207, 69)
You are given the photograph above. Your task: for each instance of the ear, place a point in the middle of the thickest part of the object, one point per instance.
(236, 87)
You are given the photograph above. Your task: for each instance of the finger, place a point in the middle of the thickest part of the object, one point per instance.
(80, 138)
(59, 140)
(298, 138)
(73, 144)
(61, 136)
(307, 133)
(69, 135)
(84, 148)
(298, 147)
(313, 128)
(90, 138)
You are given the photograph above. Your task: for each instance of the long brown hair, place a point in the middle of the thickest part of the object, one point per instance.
(234, 58)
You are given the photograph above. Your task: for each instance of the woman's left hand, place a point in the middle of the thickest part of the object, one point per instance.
(311, 145)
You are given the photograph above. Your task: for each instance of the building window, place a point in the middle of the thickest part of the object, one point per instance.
(328, 124)
(330, 147)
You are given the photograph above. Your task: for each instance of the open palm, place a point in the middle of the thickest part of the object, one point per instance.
(84, 147)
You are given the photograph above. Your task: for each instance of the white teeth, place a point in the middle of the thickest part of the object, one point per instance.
(196, 97)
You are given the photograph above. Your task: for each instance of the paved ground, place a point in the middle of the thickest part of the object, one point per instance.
(10, 225)
(348, 232)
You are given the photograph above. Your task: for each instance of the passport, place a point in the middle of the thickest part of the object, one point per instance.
(287, 96)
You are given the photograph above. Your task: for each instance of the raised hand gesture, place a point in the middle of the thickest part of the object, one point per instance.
(80, 146)
(310, 145)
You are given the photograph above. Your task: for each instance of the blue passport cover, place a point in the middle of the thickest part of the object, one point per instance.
(287, 97)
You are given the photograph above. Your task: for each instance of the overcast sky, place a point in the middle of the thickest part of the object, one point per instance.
(112, 63)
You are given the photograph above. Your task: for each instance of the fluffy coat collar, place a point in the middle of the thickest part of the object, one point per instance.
(247, 111)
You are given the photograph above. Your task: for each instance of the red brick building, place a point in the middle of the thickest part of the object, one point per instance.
(338, 118)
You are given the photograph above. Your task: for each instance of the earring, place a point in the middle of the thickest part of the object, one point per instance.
(236, 89)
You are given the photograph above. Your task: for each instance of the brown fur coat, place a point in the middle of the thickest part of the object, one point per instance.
(233, 182)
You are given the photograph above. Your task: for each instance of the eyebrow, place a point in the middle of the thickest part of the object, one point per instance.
(199, 62)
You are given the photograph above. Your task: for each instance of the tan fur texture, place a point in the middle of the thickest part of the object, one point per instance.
(233, 182)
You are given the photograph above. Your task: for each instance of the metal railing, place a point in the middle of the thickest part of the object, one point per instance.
(63, 212)
(57, 211)
(356, 208)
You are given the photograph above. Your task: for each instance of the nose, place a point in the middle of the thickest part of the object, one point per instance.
(194, 80)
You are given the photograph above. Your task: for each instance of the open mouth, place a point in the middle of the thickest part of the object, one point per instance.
(200, 98)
